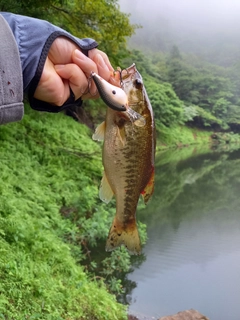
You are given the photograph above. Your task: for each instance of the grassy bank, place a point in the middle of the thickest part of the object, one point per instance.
(180, 136)
(50, 172)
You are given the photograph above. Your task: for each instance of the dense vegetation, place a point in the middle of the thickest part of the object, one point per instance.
(183, 89)
(51, 219)
(51, 216)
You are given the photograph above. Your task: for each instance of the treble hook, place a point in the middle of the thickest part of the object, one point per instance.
(120, 71)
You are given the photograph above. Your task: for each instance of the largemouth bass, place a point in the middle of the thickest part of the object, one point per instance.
(128, 159)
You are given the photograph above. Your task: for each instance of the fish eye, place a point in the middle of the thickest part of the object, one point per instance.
(113, 92)
(138, 83)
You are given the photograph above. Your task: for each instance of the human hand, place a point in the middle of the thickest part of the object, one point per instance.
(66, 66)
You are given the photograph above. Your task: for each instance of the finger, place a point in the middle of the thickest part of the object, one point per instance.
(106, 60)
(76, 78)
(51, 88)
(115, 80)
(61, 50)
(103, 64)
(85, 63)
(88, 66)
(103, 69)
(55, 91)
(95, 52)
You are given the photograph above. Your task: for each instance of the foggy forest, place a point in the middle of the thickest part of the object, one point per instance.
(193, 46)
(209, 29)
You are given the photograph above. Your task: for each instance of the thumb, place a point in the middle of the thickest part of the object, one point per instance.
(75, 76)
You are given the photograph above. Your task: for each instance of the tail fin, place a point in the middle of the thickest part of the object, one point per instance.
(121, 234)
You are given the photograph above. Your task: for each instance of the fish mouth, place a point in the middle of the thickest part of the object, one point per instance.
(131, 78)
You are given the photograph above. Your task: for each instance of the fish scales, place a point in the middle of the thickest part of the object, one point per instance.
(128, 160)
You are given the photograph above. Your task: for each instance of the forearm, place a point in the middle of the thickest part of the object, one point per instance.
(34, 39)
(11, 83)
(48, 64)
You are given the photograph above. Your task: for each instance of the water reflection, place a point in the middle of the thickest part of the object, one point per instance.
(193, 250)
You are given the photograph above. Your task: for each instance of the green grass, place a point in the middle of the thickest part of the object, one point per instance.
(49, 165)
(180, 136)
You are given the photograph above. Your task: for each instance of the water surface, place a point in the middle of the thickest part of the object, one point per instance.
(192, 256)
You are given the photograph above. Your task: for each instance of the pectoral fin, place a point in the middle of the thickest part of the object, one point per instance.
(105, 191)
(148, 190)
(99, 132)
(121, 135)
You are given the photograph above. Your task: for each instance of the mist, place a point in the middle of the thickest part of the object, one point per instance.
(203, 27)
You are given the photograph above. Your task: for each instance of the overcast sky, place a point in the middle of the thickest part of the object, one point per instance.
(196, 14)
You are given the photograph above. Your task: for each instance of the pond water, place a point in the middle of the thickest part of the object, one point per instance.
(192, 255)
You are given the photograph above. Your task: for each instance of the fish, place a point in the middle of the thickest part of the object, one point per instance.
(128, 159)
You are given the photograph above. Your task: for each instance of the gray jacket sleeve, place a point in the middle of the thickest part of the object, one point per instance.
(34, 38)
(11, 82)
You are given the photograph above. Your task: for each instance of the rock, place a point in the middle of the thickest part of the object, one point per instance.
(186, 315)
(131, 317)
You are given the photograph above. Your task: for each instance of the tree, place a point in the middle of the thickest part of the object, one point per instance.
(175, 53)
(99, 19)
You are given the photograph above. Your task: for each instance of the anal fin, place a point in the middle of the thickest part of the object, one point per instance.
(148, 190)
